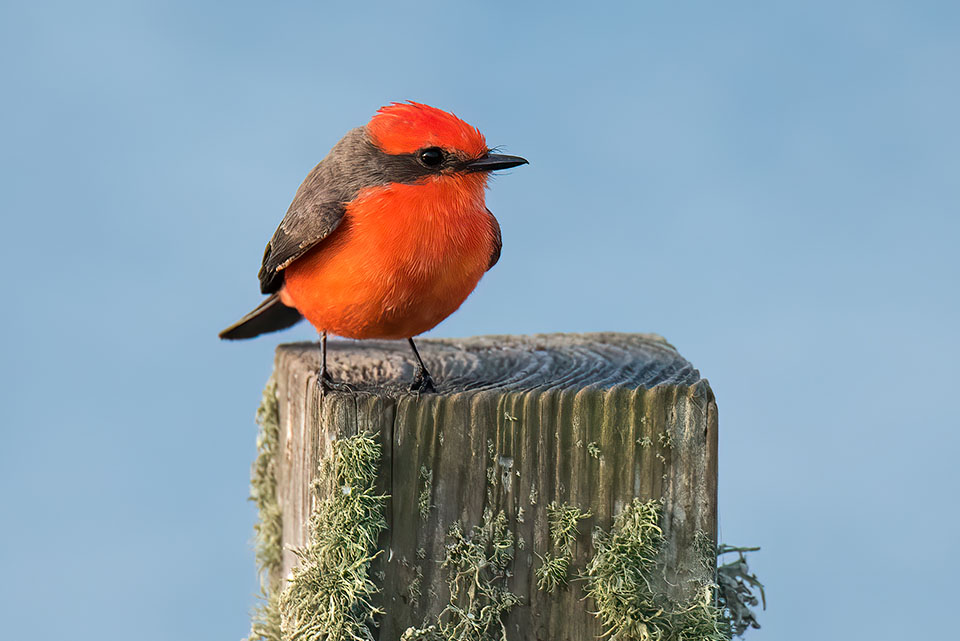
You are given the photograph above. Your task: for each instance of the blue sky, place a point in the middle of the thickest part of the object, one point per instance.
(771, 186)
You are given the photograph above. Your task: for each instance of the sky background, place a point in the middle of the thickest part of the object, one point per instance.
(772, 186)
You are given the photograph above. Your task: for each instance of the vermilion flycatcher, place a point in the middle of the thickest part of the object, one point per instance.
(386, 237)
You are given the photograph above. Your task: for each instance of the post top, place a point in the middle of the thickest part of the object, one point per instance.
(506, 363)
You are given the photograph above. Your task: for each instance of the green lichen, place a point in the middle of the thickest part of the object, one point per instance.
(414, 589)
(552, 572)
(594, 450)
(736, 584)
(622, 582)
(265, 625)
(666, 439)
(554, 566)
(477, 566)
(330, 595)
(423, 500)
(562, 519)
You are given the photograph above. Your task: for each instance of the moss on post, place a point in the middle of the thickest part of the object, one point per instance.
(624, 578)
(330, 595)
(555, 564)
(268, 530)
(477, 565)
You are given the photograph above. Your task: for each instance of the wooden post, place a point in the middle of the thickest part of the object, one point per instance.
(589, 421)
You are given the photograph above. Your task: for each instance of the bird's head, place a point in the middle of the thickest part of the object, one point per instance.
(439, 142)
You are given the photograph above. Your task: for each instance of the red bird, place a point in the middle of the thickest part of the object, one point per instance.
(386, 237)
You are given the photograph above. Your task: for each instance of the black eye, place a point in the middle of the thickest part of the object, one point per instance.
(431, 157)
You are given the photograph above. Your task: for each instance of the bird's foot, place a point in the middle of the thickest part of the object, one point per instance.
(327, 384)
(422, 383)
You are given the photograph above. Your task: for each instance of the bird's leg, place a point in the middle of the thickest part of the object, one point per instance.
(326, 382)
(422, 381)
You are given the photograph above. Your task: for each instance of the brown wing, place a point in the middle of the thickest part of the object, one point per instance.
(353, 164)
(497, 241)
(301, 229)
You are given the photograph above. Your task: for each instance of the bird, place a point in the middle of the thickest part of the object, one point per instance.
(386, 236)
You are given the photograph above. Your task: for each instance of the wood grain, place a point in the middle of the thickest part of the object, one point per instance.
(592, 420)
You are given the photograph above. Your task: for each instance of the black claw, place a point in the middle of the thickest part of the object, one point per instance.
(422, 383)
(327, 384)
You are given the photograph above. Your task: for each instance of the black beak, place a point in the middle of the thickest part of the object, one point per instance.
(493, 162)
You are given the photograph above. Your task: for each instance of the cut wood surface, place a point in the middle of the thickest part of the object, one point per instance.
(589, 420)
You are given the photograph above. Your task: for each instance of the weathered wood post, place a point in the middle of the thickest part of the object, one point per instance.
(557, 487)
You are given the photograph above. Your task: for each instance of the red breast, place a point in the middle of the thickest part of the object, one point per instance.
(403, 259)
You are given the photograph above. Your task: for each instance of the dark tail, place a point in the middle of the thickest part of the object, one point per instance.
(269, 316)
